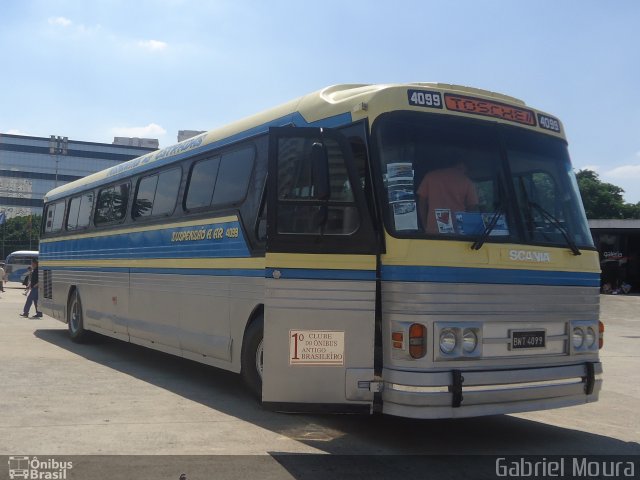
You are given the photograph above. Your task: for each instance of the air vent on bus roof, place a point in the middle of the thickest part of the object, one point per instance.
(338, 93)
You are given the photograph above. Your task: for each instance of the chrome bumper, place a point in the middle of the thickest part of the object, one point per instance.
(461, 393)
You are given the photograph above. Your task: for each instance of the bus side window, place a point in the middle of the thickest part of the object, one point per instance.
(164, 202)
(86, 205)
(54, 217)
(112, 203)
(80, 212)
(74, 208)
(201, 182)
(143, 202)
(233, 178)
(157, 194)
(300, 210)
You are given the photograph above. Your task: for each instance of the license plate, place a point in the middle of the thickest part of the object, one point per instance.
(534, 339)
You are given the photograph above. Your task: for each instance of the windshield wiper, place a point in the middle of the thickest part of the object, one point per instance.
(477, 245)
(555, 222)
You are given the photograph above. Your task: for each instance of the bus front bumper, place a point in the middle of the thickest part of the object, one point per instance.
(469, 393)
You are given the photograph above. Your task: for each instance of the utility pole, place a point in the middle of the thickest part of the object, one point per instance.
(58, 146)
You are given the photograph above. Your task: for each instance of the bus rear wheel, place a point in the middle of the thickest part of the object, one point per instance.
(75, 321)
(252, 356)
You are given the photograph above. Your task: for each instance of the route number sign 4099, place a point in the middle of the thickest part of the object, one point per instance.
(424, 98)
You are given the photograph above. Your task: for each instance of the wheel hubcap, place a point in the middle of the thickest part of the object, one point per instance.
(74, 316)
(259, 352)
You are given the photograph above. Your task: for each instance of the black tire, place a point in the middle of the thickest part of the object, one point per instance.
(252, 354)
(75, 321)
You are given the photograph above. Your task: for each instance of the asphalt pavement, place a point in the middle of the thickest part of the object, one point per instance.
(108, 397)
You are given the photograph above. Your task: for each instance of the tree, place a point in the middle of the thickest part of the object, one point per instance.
(631, 211)
(20, 233)
(603, 200)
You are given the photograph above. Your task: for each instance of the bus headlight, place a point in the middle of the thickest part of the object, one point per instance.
(457, 341)
(469, 340)
(448, 341)
(590, 337)
(577, 337)
(585, 336)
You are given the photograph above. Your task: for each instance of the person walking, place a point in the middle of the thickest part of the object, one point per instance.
(33, 292)
(27, 281)
(2, 274)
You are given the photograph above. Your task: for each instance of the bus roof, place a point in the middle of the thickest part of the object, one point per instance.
(26, 253)
(330, 107)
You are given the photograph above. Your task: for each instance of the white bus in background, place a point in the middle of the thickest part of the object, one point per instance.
(17, 264)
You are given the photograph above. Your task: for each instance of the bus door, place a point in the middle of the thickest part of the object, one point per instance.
(321, 264)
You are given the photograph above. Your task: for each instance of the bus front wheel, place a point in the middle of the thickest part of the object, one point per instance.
(75, 320)
(252, 355)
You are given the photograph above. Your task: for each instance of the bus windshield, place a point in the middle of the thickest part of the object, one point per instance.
(460, 179)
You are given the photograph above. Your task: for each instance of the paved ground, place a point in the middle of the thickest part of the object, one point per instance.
(110, 397)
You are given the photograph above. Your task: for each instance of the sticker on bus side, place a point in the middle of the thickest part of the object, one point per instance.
(316, 347)
(424, 98)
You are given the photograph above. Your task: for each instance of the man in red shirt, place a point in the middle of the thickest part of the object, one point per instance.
(441, 194)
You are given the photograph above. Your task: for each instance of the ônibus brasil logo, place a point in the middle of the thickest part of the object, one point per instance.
(33, 468)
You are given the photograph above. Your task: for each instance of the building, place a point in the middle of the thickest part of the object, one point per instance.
(31, 166)
(618, 242)
(186, 134)
(136, 142)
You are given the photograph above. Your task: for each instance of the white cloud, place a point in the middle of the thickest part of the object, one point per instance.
(625, 172)
(105, 35)
(14, 131)
(60, 21)
(152, 130)
(627, 177)
(73, 28)
(153, 45)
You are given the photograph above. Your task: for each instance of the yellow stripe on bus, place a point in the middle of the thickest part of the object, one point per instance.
(446, 253)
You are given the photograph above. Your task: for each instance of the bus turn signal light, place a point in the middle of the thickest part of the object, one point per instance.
(601, 336)
(416, 340)
(398, 339)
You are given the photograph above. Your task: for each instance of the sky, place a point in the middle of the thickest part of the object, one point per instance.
(148, 68)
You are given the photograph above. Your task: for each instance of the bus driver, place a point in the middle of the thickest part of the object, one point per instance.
(441, 194)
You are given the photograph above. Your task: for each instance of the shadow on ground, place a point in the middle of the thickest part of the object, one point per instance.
(341, 434)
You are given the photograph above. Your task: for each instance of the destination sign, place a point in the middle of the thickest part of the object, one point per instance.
(489, 108)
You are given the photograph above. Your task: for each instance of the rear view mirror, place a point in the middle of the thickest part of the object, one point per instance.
(320, 171)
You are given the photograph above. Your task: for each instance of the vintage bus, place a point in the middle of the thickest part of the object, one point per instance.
(419, 250)
(18, 263)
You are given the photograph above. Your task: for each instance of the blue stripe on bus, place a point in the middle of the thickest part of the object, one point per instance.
(148, 253)
(148, 244)
(389, 273)
(489, 276)
(285, 273)
(222, 272)
(294, 118)
(317, 274)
